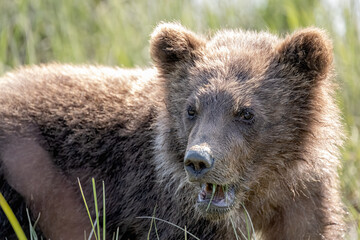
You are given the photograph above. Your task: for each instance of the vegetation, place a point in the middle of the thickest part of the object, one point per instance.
(116, 32)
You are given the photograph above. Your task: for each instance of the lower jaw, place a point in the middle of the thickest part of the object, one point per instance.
(212, 212)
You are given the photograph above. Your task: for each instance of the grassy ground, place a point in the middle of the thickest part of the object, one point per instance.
(115, 32)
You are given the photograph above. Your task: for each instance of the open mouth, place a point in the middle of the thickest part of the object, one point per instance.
(213, 196)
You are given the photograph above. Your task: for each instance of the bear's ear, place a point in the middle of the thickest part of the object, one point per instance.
(307, 51)
(171, 44)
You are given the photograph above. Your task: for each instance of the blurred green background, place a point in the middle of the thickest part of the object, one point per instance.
(116, 32)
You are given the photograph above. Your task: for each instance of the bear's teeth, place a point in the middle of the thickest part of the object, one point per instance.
(223, 196)
(208, 192)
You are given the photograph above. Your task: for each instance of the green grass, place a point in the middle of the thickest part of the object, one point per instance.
(116, 32)
(96, 225)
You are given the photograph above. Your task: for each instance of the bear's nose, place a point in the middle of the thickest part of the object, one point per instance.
(197, 163)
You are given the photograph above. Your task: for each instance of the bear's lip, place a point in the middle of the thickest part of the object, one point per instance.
(222, 197)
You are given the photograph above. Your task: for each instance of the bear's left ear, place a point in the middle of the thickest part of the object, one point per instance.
(308, 52)
(172, 44)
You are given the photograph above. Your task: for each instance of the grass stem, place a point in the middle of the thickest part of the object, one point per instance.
(12, 219)
(212, 196)
(86, 206)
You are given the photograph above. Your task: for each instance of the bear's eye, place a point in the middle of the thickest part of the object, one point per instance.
(191, 112)
(246, 115)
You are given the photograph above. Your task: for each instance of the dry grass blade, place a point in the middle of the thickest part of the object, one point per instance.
(248, 218)
(151, 223)
(233, 226)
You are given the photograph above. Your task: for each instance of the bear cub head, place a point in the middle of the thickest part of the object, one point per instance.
(240, 108)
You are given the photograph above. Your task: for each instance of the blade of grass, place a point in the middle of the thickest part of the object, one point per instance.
(156, 232)
(185, 232)
(30, 226)
(225, 190)
(247, 226)
(86, 206)
(104, 212)
(33, 235)
(117, 233)
(242, 234)
(151, 223)
(92, 231)
(12, 219)
(212, 196)
(248, 217)
(233, 226)
(170, 223)
(37, 220)
(96, 207)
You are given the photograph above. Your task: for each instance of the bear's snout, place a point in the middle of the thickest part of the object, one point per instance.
(197, 163)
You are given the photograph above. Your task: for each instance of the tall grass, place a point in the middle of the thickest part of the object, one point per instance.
(116, 32)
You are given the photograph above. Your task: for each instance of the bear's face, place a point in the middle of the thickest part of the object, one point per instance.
(240, 106)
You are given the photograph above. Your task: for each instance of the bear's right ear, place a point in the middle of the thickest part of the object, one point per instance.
(307, 51)
(171, 44)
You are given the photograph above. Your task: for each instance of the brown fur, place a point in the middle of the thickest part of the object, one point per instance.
(130, 129)
(51, 201)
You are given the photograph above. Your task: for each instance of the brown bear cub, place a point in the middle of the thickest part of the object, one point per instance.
(239, 127)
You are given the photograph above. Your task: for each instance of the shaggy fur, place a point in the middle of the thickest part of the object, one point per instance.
(132, 130)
